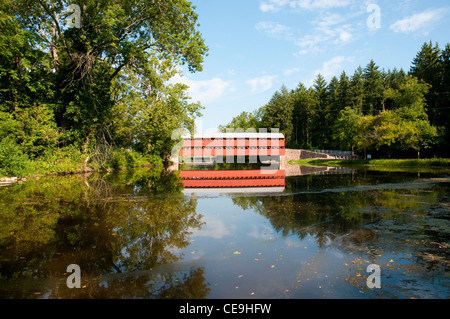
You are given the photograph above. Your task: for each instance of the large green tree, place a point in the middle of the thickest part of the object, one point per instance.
(431, 65)
(85, 64)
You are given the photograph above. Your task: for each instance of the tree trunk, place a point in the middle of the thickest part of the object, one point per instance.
(54, 48)
(85, 150)
(16, 81)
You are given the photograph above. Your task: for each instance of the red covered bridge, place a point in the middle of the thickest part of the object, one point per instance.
(233, 144)
(233, 178)
(215, 147)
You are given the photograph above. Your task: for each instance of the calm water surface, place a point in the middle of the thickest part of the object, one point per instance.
(139, 234)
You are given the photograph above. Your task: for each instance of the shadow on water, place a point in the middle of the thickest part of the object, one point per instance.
(136, 234)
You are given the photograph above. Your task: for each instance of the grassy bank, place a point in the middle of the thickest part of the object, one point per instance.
(69, 160)
(394, 163)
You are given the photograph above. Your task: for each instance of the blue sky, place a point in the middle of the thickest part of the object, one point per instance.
(256, 46)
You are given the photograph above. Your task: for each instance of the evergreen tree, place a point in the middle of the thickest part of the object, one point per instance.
(321, 117)
(373, 89)
(302, 116)
(427, 67)
(278, 113)
(444, 99)
(357, 90)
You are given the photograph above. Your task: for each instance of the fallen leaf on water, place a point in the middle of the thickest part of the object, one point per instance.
(237, 253)
(272, 266)
(240, 276)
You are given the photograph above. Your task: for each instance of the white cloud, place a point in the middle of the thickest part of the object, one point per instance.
(214, 228)
(261, 84)
(273, 5)
(276, 5)
(274, 30)
(419, 22)
(328, 28)
(328, 20)
(205, 90)
(321, 4)
(310, 43)
(288, 72)
(330, 68)
(345, 36)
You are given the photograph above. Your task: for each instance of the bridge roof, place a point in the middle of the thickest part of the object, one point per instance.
(234, 135)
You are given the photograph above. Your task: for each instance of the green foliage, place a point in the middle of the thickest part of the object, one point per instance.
(37, 131)
(278, 113)
(122, 158)
(244, 121)
(13, 162)
(346, 128)
(374, 110)
(407, 163)
(100, 87)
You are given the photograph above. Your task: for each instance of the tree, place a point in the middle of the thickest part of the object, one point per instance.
(373, 89)
(150, 38)
(444, 98)
(343, 91)
(26, 90)
(278, 113)
(357, 90)
(245, 121)
(427, 67)
(393, 80)
(320, 134)
(407, 126)
(365, 138)
(346, 129)
(303, 114)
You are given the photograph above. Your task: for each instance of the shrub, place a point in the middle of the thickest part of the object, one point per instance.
(13, 162)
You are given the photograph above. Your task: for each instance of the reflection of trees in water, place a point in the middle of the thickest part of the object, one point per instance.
(189, 284)
(403, 229)
(330, 214)
(115, 223)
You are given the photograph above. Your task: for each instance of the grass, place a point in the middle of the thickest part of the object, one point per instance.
(395, 163)
(69, 160)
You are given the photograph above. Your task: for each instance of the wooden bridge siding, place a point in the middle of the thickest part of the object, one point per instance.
(233, 174)
(234, 152)
(234, 183)
(233, 147)
(233, 178)
(233, 142)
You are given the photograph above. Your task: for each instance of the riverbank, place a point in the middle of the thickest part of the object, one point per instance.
(435, 163)
(72, 161)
